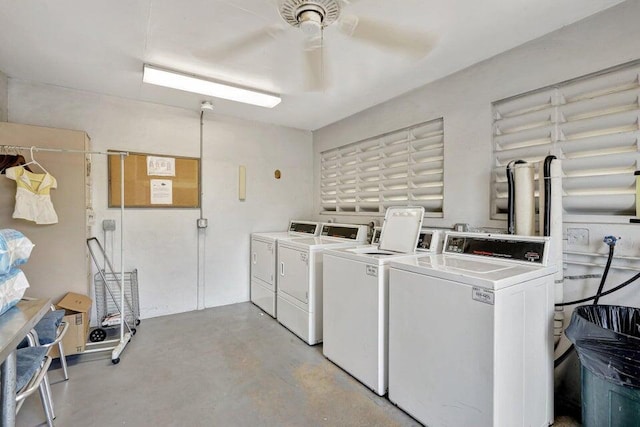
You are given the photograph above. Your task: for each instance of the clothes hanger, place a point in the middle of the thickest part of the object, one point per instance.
(9, 157)
(33, 161)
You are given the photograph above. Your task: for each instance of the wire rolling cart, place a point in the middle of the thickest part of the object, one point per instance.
(108, 311)
(117, 304)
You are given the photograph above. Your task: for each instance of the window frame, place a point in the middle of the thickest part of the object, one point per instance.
(396, 168)
(555, 121)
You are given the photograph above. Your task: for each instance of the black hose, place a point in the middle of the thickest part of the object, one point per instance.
(612, 243)
(610, 291)
(546, 225)
(547, 195)
(511, 197)
(563, 357)
(604, 274)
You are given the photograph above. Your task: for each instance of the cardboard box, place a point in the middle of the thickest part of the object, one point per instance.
(77, 309)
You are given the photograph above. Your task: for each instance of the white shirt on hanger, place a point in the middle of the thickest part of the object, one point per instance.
(33, 199)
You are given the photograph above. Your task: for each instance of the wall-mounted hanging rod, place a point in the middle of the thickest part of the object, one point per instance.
(62, 150)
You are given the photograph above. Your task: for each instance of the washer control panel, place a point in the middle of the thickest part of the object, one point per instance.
(304, 227)
(430, 240)
(424, 240)
(501, 246)
(375, 239)
(345, 231)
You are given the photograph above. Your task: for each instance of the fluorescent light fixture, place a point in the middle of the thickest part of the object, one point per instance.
(175, 80)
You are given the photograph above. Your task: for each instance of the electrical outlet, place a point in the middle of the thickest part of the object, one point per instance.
(109, 224)
(578, 236)
(461, 227)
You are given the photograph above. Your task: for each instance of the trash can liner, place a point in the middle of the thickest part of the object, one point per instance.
(607, 339)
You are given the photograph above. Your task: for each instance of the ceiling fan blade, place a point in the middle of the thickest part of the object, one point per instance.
(415, 43)
(314, 61)
(247, 42)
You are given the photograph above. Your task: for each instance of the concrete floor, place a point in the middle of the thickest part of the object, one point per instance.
(226, 366)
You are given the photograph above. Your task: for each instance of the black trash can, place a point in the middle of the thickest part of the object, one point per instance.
(607, 339)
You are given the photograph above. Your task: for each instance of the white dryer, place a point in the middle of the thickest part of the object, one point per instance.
(300, 277)
(470, 333)
(355, 320)
(263, 262)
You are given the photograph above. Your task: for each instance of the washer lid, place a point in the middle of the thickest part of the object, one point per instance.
(401, 228)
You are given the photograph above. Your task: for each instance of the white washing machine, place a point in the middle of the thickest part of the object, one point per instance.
(300, 277)
(263, 262)
(470, 333)
(355, 296)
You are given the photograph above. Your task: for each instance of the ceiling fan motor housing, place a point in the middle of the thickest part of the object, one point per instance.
(310, 21)
(310, 15)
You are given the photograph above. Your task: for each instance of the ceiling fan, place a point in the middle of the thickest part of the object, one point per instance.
(312, 17)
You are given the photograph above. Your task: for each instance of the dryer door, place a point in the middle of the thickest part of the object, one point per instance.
(293, 273)
(263, 261)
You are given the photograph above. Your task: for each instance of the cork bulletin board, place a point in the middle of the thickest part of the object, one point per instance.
(155, 181)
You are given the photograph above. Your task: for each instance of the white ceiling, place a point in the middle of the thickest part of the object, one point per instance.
(101, 46)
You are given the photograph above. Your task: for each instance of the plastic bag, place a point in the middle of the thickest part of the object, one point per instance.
(12, 287)
(607, 338)
(15, 249)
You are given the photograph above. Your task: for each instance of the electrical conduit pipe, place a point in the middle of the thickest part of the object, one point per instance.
(551, 222)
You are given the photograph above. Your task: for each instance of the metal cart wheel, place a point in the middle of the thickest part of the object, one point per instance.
(97, 335)
(133, 331)
(115, 361)
(137, 322)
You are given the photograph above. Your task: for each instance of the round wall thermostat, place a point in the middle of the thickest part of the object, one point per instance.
(277, 174)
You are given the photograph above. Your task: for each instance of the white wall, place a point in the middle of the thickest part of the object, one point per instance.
(464, 100)
(163, 244)
(4, 96)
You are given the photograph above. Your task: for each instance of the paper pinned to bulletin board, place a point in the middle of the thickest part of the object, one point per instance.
(161, 192)
(155, 181)
(161, 166)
